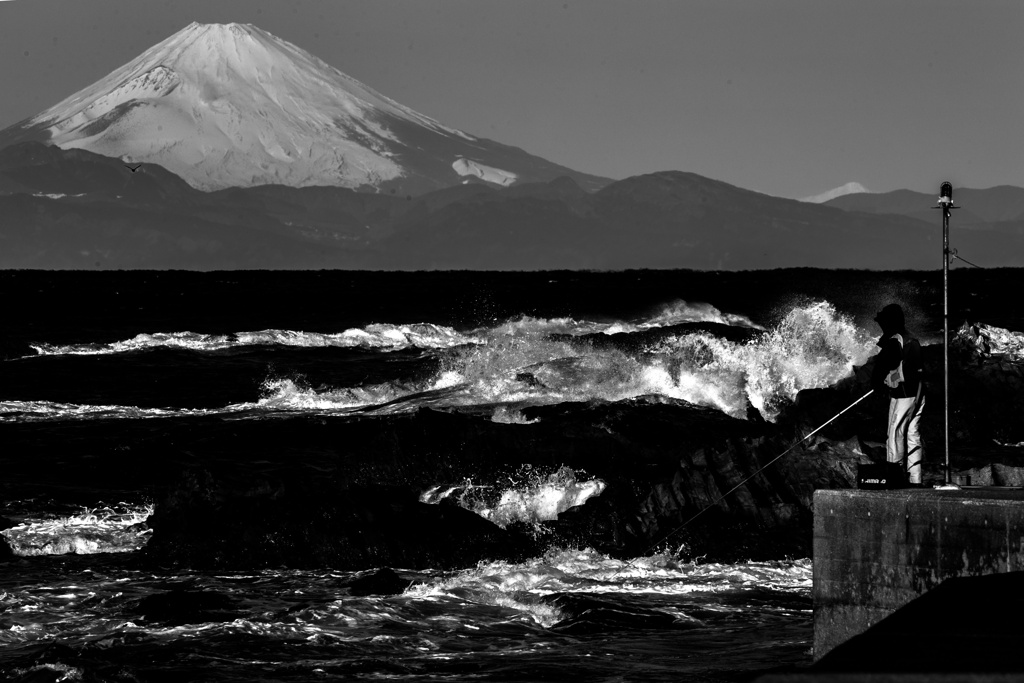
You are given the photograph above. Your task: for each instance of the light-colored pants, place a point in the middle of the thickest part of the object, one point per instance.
(904, 443)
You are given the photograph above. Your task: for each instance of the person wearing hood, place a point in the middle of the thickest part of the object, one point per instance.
(898, 373)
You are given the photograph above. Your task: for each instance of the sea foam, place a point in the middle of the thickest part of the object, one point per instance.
(812, 347)
(376, 337)
(528, 361)
(530, 498)
(118, 529)
(520, 586)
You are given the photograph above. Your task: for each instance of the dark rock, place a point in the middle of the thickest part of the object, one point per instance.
(679, 478)
(607, 523)
(381, 582)
(599, 614)
(202, 523)
(987, 384)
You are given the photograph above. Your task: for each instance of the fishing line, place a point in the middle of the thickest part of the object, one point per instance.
(759, 470)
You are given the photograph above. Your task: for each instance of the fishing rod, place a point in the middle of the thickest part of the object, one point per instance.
(759, 470)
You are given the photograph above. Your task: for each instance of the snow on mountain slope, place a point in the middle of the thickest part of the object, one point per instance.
(842, 190)
(466, 167)
(234, 106)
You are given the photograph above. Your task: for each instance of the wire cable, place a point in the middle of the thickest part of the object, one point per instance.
(958, 256)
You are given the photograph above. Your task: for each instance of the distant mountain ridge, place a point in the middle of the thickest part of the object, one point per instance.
(991, 205)
(230, 105)
(74, 209)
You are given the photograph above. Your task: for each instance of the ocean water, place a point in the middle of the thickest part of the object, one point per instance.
(112, 384)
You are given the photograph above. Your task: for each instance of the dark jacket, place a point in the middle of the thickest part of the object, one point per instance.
(888, 359)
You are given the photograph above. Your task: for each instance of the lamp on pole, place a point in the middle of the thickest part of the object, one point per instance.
(946, 204)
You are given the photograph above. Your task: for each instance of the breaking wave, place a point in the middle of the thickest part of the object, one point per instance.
(522, 364)
(678, 312)
(535, 498)
(524, 586)
(382, 337)
(534, 362)
(396, 337)
(47, 411)
(116, 529)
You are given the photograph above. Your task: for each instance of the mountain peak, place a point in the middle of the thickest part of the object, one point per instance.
(232, 42)
(220, 34)
(231, 105)
(231, 27)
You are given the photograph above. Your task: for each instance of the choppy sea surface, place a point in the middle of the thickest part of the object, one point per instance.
(112, 382)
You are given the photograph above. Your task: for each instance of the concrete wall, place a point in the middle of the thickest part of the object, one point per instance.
(875, 551)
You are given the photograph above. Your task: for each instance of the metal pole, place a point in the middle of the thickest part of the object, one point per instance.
(946, 204)
(945, 330)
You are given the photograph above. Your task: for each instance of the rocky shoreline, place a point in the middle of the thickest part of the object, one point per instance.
(661, 469)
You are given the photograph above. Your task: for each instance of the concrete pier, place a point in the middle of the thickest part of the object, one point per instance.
(875, 551)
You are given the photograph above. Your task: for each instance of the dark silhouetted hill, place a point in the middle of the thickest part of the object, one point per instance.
(76, 209)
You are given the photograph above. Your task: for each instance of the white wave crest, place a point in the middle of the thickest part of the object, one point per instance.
(535, 498)
(102, 530)
(520, 586)
(395, 337)
(377, 337)
(677, 312)
(519, 364)
(50, 411)
(812, 347)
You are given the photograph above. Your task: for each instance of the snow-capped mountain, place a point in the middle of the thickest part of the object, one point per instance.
(234, 106)
(842, 190)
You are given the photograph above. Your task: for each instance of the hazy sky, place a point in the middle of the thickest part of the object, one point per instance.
(787, 97)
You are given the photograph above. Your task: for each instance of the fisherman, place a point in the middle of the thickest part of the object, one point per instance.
(898, 372)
